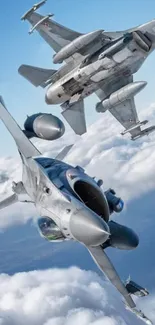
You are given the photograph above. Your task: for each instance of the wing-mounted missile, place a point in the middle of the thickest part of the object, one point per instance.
(44, 126)
(34, 8)
(135, 289)
(78, 44)
(134, 127)
(146, 131)
(117, 45)
(143, 42)
(42, 20)
(121, 95)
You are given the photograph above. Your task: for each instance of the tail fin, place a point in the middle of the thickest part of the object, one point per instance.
(37, 76)
(63, 153)
(24, 145)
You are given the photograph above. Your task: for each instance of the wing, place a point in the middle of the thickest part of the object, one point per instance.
(75, 116)
(56, 35)
(23, 143)
(104, 263)
(126, 112)
(9, 201)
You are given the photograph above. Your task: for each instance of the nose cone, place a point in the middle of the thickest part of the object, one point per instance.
(141, 85)
(48, 126)
(87, 227)
(134, 240)
(56, 126)
(135, 87)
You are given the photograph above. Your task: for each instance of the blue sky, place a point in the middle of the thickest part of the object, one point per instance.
(18, 47)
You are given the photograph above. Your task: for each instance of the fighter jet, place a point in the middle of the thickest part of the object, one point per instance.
(97, 62)
(71, 205)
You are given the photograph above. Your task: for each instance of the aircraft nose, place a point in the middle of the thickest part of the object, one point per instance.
(87, 227)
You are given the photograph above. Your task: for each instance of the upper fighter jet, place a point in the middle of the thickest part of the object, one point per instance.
(98, 62)
(71, 204)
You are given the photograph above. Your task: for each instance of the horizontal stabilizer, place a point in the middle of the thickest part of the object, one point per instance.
(75, 116)
(9, 201)
(37, 76)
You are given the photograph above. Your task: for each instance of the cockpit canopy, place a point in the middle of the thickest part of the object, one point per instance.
(53, 167)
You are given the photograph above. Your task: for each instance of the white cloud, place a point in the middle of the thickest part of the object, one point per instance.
(60, 297)
(120, 162)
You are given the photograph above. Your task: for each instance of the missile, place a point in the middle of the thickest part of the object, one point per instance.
(134, 127)
(34, 8)
(136, 289)
(44, 126)
(43, 20)
(144, 132)
(117, 46)
(75, 46)
(120, 96)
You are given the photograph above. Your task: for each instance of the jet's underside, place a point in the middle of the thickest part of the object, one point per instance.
(99, 61)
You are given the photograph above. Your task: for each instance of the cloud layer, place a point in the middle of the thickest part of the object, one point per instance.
(60, 297)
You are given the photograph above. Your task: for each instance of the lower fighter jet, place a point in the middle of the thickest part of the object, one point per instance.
(71, 204)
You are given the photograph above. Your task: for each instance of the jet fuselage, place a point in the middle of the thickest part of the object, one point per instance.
(121, 57)
(66, 198)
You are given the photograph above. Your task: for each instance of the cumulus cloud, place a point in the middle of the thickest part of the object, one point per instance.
(60, 297)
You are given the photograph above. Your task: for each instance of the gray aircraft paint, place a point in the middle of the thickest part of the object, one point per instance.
(101, 62)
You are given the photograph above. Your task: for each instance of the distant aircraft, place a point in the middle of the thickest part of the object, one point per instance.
(101, 62)
(71, 204)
